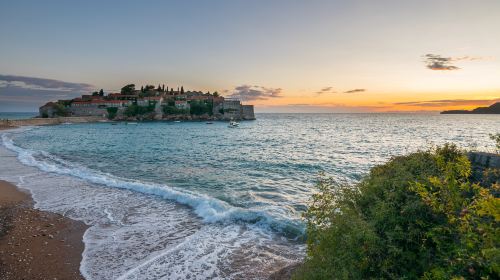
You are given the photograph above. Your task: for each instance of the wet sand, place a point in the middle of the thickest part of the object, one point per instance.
(36, 244)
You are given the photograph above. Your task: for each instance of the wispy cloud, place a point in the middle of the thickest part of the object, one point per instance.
(247, 93)
(442, 63)
(325, 90)
(42, 84)
(450, 102)
(355, 90)
(19, 93)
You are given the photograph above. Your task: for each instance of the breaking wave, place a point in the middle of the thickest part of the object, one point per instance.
(211, 210)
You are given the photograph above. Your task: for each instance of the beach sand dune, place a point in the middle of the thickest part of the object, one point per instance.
(36, 244)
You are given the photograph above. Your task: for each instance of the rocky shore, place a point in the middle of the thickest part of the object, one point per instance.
(174, 117)
(36, 244)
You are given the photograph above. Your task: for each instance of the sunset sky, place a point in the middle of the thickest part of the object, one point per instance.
(281, 55)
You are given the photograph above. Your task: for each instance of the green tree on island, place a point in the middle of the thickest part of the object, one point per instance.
(128, 89)
(112, 112)
(200, 108)
(136, 110)
(60, 110)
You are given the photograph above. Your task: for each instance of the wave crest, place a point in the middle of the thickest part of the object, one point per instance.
(210, 209)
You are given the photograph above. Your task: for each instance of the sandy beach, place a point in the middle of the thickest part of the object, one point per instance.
(36, 244)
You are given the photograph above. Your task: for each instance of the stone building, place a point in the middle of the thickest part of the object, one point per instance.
(247, 112)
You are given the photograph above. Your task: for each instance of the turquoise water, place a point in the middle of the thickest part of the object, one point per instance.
(257, 178)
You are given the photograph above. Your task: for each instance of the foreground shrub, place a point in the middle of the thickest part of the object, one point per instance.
(417, 216)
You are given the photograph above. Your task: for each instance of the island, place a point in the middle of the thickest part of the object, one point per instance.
(150, 103)
(493, 109)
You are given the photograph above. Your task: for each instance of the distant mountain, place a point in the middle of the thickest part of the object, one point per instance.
(493, 109)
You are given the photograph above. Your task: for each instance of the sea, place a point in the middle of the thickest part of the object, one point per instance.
(17, 115)
(191, 200)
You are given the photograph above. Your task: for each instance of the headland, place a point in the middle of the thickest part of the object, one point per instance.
(493, 109)
(150, 103)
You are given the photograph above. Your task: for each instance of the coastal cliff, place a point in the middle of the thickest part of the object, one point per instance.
(493, 109)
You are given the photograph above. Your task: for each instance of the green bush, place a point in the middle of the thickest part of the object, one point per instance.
(417, 216)
(200, 108)
(172, 110)
(135, 110)
(112, 112)
(60, 110)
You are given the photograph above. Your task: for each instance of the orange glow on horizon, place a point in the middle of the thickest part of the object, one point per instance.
(381, 102)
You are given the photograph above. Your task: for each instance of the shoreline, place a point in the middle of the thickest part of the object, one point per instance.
(11, 124)
(31, 241)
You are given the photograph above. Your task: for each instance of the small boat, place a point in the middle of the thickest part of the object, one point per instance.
(132, 123)
(233, 124)
(67, 123)
(177, 121)
(209, 122)
(113, 123)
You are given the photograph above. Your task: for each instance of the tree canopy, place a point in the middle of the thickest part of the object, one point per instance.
(128, 89)
(419, 216)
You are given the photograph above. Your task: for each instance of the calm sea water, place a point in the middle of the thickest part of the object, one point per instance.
(17, 115)
(177, 200)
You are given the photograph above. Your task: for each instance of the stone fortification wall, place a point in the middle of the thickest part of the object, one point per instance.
(247, 112)
(486, 160)
(88, 111)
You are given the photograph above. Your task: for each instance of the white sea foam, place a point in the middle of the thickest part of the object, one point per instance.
(209, 209)
(134, 235)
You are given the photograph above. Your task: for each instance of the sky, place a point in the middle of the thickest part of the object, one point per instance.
(280, 55)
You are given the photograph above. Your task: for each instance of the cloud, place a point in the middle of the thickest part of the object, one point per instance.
(450, 102)
(441, 63)
(18, 93)
(471, 58)
(42, 84)
(355, 90)
(325, 90)
(247, 93)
